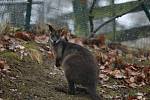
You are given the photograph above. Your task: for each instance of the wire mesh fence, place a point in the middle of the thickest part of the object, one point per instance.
(131, 29)
(12, 11)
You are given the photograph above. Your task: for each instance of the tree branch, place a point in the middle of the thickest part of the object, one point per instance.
(113, 18)
(145, 10)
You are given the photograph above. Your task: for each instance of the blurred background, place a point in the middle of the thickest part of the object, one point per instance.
(132, 28)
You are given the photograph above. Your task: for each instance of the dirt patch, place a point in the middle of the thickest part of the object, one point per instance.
(29, 80)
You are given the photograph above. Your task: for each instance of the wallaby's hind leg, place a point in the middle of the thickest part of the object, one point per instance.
(92, 93)
(71, 87)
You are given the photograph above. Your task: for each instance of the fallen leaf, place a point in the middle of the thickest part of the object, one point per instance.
(104, 77)
(117, 74)
(2, 64)
(132, 98)
(25, 36)
(41, 39)
(133, 85)
(50, 54)
(132, 79)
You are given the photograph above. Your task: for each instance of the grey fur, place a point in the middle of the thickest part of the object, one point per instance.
(79, 65)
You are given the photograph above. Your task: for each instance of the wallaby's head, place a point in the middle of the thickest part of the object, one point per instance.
(57, 42)
(55, 35)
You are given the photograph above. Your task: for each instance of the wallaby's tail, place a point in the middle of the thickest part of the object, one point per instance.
(95, 97)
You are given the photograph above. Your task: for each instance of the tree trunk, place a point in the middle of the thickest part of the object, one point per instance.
(28, 14)
(81, 17)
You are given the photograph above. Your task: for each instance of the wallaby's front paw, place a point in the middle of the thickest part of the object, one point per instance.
(57, 64)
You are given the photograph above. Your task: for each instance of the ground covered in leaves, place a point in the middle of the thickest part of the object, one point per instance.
(27, 70)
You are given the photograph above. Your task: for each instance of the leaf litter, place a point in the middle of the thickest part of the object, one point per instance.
(114, 61)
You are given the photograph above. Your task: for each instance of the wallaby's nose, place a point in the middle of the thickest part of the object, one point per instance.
(54, 39)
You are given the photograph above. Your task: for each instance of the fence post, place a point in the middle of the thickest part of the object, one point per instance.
(114, 21)
(28, 15)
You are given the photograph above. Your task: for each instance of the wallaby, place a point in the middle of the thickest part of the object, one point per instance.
(79, 65)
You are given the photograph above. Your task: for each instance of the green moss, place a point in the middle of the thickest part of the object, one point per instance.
(27, 59)
(145, 89)
(9, 55)
(132, 92)
(146, 62)
(30, 45)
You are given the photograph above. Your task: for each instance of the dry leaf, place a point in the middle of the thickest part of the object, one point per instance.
(104, 77)
(132, 98)
(50, 54)
(24, 36)
(118, 74)
(2, 64)
(41, 39)
(132, 79)
(133, 85)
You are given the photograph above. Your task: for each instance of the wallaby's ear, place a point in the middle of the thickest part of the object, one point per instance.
(63, 31)
(50, 27)
(66, 39)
